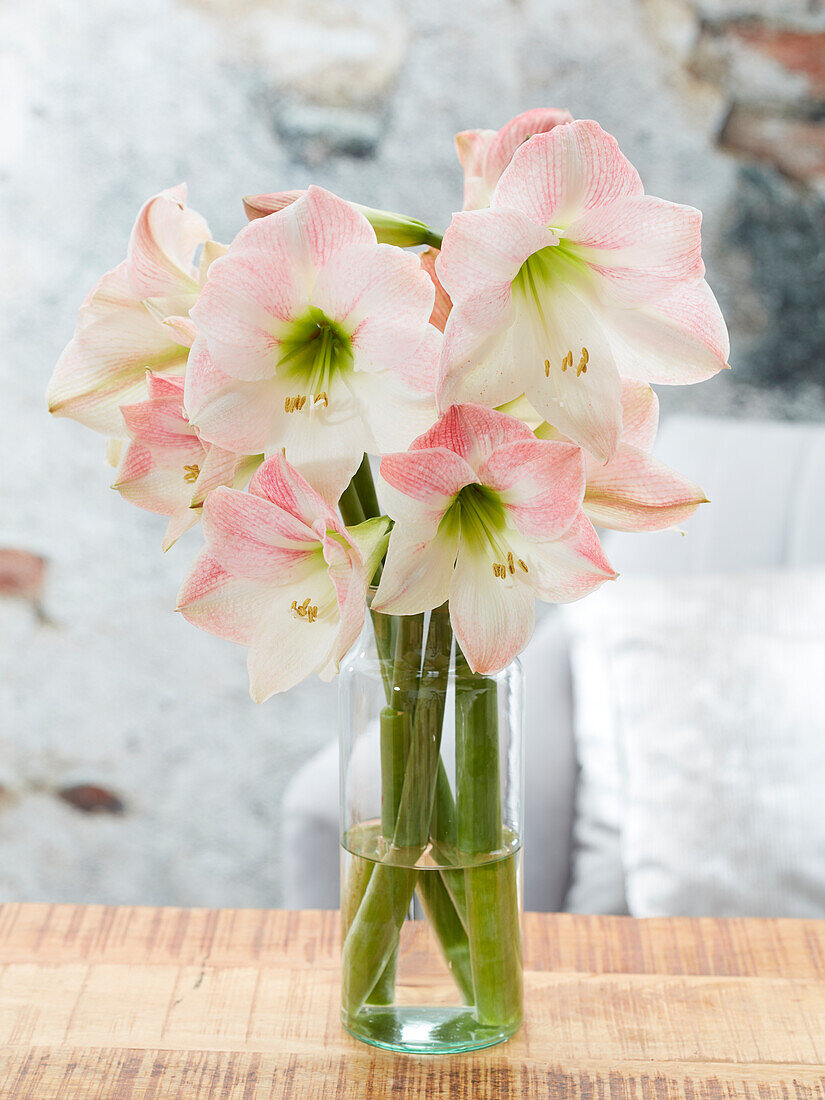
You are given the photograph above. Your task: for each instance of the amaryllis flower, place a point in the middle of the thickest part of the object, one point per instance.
(484, 154)
(282, 575)
(136, 318)
(491, 518)
(166, 468)
(635, 491)
(572, 280)
(317, 341)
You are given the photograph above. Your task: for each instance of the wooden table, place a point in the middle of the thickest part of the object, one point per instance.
(173, 1004)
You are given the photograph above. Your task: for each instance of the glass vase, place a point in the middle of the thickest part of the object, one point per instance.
(431, 805)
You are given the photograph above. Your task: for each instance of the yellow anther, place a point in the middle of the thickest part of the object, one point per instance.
(582, 364)
(567, 361)
(511, 565)
(191, 473)
(322, 398)
(546, 368)
(523, 565)
(306, 610)
(287, 404)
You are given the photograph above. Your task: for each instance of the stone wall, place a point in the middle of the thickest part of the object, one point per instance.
(133, 767)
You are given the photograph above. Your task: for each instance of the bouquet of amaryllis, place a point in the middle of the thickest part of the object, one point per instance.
(502, 376)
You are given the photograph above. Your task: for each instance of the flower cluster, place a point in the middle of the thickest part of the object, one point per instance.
(502, 374)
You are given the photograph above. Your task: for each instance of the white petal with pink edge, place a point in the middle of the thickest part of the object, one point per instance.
(482, 253)
(540, 483)
(579, 389)
(162, 247)
(636, 492)
(569, 567)
(492, 618)
(417, 574)
(381, 297)
(555, 177)
(678, 340)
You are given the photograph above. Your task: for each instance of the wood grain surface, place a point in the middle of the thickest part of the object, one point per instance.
(172, 1004)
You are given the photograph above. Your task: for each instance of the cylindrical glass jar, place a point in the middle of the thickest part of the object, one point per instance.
(431, 820)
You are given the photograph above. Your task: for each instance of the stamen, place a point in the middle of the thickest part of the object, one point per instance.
(547, 368)
(192, 473)
(307, 610)
(510, 563)
(523, 565)
(582, 365)
(322, 398)
(567, 361)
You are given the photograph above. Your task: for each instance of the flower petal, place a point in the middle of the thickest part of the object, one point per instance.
(248, 300)
(474, 432)
(280, 483)
(419, 485)
(245, 417)
(499, 152)
(154, 482)
(393, 412)
(540, 483)
(568, 567)
(307, 233)
(105, 364)
(258, 206)
(678, 340)
(417, 573)
(492, 618)
(327, 442)
(636, 492)
(585, 405)
(220, 603)
(643, 246)
(251, 537)
(555, 177)
(381, 297)
(481, 254)
(483, 367)
(442, 304)
(162, 246)
(640, 414)
(287, 648)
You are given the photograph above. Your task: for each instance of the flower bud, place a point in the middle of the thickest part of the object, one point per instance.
(389, 228)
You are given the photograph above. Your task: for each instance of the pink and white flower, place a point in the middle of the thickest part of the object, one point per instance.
(283, 576)
(484, 154)
(136, 318)
(572, 280)
(635, 491)
(166, 468)
(316, 340)
(491, 518)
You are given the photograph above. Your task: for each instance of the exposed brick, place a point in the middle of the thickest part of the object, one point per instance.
(21, 574)
(794, 50)
(91, 799)
(796, 147)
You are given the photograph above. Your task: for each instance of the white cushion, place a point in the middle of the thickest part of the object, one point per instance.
(704, 728)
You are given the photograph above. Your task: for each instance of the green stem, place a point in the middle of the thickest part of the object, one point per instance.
(350, 506)
(365, 488)
(373, 934)
(492, 914)
(448, 928)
